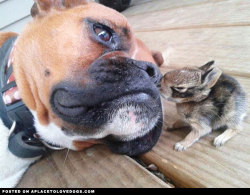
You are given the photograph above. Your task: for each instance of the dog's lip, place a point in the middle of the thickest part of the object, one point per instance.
(139, 95)
(67, 110)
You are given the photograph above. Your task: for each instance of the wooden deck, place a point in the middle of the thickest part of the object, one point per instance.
(93, 168)
(188, 33)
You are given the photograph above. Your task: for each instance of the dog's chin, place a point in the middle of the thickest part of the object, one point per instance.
(127, 126)
(138, 145)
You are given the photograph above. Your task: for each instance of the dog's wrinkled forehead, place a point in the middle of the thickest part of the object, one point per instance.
(81, 31)
(81, 8)
(42, 7)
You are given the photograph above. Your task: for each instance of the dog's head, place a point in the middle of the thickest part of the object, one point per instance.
(84, 76)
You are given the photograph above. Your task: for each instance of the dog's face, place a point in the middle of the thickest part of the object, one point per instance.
(84, 76)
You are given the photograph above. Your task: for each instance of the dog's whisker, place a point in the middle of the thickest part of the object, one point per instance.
(66, 158)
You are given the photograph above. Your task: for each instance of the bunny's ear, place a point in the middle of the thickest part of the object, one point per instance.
(208, 66)
(41, 7)
(210, 75)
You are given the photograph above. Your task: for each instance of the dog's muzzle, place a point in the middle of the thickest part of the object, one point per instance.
(118, 87)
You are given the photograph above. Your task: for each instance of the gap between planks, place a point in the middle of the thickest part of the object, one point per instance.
(195, 27)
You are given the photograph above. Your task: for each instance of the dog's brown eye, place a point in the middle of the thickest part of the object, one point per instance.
(103, 34)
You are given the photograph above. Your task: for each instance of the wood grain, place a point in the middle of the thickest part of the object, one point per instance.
(229, 47)
(212, 14)
(203, 165)
(94, 168)
(139, 2)
(148, 6)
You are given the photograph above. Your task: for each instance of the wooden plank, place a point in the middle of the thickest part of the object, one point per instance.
(13, 10)
(147, 6)
(93, 168)
(229, 47)
(203, 165)
(139, 2)
(213, 14)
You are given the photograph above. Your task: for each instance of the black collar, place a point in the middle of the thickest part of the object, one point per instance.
(16, 116)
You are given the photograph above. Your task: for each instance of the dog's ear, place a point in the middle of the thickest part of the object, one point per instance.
(41, 7)
(157, 57)
(34, 10)
(74, 3)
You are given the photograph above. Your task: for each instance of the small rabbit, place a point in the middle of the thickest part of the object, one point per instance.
(207, 100)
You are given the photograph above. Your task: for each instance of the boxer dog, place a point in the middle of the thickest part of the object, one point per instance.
(86, 79)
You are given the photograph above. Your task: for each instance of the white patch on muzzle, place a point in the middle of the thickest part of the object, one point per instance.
(124, 124)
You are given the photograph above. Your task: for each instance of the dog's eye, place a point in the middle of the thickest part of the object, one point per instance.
(104, 34)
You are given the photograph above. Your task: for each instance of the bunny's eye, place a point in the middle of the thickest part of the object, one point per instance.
(180, 89)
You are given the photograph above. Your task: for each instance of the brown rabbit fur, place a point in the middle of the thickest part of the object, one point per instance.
(207, 100)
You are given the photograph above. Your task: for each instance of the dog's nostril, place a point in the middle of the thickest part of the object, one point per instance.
(150, 71)
(154, 73)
